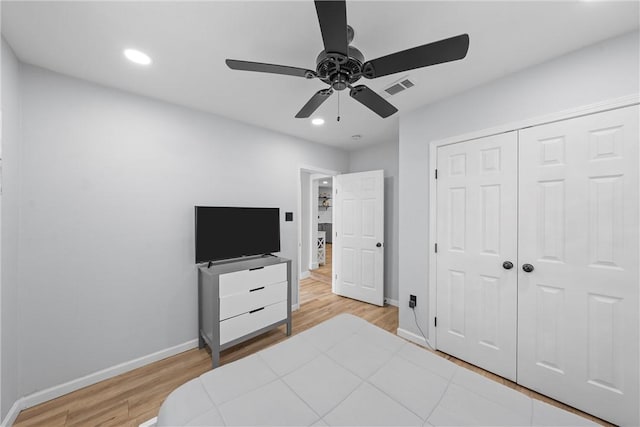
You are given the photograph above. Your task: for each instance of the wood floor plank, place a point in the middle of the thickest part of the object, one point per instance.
(134, 397)
(52, 417)
(112, 412)
(324, 272)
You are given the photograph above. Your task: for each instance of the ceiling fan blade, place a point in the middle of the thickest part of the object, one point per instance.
(313, 104)
(332, 16)
(269, 68)
(446, 50)
(372, 100)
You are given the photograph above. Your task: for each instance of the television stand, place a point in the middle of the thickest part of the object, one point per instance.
(241, 299)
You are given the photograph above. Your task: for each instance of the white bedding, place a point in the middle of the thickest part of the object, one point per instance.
(348, 372)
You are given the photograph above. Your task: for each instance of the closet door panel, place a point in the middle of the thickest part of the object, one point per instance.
(477, 226)
(578, 227)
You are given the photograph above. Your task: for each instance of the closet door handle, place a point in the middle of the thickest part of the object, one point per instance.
(528, 268)
(507, 265)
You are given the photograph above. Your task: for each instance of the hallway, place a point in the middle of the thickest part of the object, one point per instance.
(324, 272)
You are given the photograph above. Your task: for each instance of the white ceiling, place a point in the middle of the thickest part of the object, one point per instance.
(189, 42)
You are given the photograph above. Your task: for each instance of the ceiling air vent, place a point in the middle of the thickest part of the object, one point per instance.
(394, 89)
(407, 83)
(399, 87)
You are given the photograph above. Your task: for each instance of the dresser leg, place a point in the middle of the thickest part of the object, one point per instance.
(215, 359)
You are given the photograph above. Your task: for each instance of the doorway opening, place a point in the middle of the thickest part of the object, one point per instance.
(310, 226)
(343, 215)
(322, 227)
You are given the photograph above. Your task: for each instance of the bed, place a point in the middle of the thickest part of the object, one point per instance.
(348, 372)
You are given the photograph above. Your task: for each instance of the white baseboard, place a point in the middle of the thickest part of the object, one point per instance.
(305, 275)
(13, 413)
(73, 385)
(149, 423)
(418, 339)
(314, 266)
(295, 307)
(393, 302)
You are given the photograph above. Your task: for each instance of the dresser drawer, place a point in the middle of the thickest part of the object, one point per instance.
(244, 280)
(235, 304)
(244, 324)
(270, 315)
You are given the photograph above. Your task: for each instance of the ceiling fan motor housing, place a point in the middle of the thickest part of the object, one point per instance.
(340, 71)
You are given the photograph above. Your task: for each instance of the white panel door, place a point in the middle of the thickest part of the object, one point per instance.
(578, 320)
(358, 246)
(477, 226)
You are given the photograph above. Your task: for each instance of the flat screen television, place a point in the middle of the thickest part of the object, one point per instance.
(234, 232)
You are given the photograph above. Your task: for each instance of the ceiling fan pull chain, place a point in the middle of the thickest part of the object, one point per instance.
(338, 119)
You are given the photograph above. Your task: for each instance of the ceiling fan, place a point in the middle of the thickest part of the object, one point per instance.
(340, 65)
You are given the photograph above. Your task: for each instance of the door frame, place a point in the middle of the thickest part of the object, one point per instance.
(310, 169)
(598, 107)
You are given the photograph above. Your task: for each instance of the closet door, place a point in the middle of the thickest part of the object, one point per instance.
(477, 226)
(578, 229)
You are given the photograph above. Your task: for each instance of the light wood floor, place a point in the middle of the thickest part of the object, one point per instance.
(134, 397)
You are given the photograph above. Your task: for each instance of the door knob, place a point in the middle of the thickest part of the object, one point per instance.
(507, 265)
(527, 268)
(378, 245)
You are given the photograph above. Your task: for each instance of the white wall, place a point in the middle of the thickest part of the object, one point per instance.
(109, 181)
(9, 333)
(384, 156)
(603, 71)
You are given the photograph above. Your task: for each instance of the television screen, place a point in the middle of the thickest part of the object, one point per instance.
(229, 232)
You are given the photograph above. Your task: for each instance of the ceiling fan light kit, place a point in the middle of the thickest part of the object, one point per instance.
(340, 65)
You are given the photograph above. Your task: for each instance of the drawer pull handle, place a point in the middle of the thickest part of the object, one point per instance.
(256, 268)
(256, 289)
(257, 309)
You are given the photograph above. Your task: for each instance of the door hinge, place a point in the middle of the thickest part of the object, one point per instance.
(436, 247)
(436, 173)
(435, 322)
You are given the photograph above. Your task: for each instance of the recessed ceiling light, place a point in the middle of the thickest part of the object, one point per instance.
(317, 121)
(325, 182)
(138, 57)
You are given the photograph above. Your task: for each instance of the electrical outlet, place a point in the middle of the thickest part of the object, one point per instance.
(412, 301)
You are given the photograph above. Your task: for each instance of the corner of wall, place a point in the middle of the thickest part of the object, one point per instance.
(10, 404)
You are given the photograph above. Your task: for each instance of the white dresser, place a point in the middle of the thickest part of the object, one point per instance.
(239, 300)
